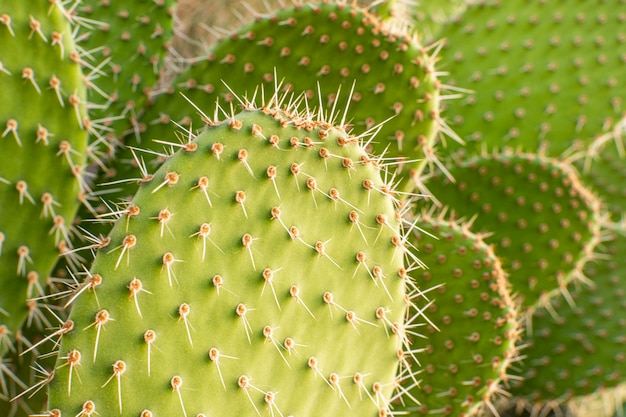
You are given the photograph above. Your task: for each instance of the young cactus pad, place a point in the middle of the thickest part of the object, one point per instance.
(259, 272)
(541, 72)
(543, 222)
(42, 140)
(472, 338)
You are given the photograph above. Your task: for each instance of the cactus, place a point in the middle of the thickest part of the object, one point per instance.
(543, 221)
(579, 347)
(603, 168)
(127, 43)
(541, 82)
(266, 255)
(474, 329)
(42, 159)
(543, 73)
(318, 46)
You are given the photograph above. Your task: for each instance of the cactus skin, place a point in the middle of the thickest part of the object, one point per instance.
(581, 349)
(543, 73)
(603, 168)
(272, 284)
(317, 45)
(130, 40)
(544, 223)
(477, 320)
(425, 18)
(43, 143)
(43, 152)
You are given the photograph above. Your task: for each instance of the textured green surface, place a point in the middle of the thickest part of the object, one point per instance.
(127, 42)
(542, 72)
(425, 17)
(542, 221)
(464, 363)
(314, 46)
(307, 257)
(42, 156)
(42, 141)
(604, 170)
(581, 348)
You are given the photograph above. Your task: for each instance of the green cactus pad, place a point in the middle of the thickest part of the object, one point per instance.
(19, 370)
(425, 18)
(579, 349)
(127, 42)
(542, 221)
(603, 168)
(259, 272)
(43, 140)
(464, 361)
(542, 73)
(316, 48)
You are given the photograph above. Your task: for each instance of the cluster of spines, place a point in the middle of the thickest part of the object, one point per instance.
(263, 252)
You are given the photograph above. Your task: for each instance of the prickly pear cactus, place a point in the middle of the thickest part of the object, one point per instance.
(425, 18)
(543, 222)
(127, 41)
(577, 349)
(259, 272)
(542, 73)
(315, 47)
(471, 341)
(603, 168)
(43, 137)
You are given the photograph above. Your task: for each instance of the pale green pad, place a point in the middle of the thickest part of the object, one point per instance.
(313, 325)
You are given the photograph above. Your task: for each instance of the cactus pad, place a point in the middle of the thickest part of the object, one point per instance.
(542, 73)
(259, 272)
(578, 349)
(464, 361)
(43, 138)
(542, 221)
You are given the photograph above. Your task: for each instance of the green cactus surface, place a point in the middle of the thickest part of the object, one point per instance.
(127, 42)
(43, 142)
(43, 139)
(425, 17)
(542, 73)
(603, 168)
(471, 341)
(577, 349)
(259, 272)
(314, 48)
(543, 222)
